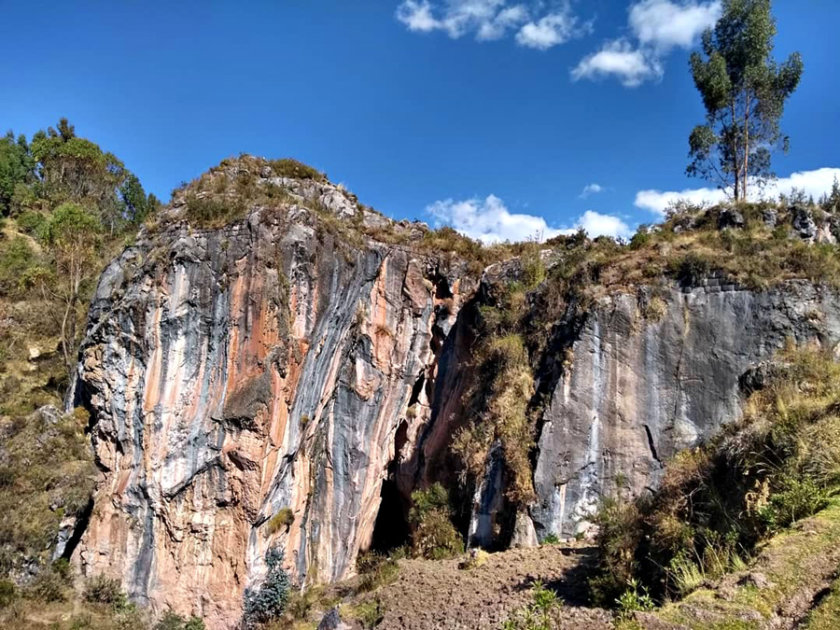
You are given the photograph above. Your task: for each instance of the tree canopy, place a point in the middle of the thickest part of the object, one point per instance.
(59, 166)
(744, 92)
(72, 203)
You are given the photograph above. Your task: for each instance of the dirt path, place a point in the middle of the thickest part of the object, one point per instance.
(439, 595)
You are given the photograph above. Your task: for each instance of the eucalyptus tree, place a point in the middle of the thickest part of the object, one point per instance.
(744, 92)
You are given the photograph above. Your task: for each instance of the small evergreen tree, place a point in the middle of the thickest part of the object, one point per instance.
(269, 601)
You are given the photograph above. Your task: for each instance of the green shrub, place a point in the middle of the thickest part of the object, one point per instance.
(690, 270)
(619, 536)
(283, 519)
(533, 267)
(287, 167)
(211, 211)
(104, 590)
(31, 221)
(7, 593)
(171, 621)
(433, 534)
(551, 539)
(795, 499)
(52, 583)
(641, 238)
(635, 599)
(375, 570)
(685, 574)
(542, 614)
(16, 260)
(269, 601)
(370, 613)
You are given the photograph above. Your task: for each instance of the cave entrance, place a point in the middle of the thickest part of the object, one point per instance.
(391, 528)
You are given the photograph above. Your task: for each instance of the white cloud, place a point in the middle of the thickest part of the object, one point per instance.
(597, 224)
(417, 16)
(813, 183)
(537, 24)
(489, 220)
(505, 19)
(664, 24)
(657, 201)
(551, 30)
(590, 189)
(657, 27)
(631, 66)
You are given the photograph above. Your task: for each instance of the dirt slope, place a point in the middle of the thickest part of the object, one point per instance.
(440, 595)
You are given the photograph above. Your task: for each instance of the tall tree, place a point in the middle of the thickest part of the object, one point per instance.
(744, 91)
(16, 167)
(72, 168)
(72, 234)
(137, 205)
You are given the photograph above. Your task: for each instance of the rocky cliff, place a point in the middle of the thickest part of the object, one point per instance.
(248, 385)
(638, 389)
(287, 376)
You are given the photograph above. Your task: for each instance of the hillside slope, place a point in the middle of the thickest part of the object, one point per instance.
(273, 369)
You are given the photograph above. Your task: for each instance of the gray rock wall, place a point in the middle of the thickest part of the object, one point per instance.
(637, 390)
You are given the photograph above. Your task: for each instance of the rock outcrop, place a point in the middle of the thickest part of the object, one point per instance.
(248, 385)
(284, 379)
(637, 390)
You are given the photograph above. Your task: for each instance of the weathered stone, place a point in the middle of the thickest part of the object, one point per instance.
(637, 391)
(260, 367)
(757, 579)
(804, 224)
(48, 414)
(758, 376)
(332, 621)
(730, 218)
(524, 534)
(488, 501)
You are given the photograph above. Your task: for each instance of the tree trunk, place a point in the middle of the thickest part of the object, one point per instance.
(746, 141)
(736, 163)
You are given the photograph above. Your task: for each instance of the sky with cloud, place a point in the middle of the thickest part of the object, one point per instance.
(507, 119)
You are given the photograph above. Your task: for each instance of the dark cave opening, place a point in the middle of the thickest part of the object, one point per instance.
(391, 528)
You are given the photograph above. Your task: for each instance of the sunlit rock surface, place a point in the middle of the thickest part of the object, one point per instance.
(238, 372)
(287, 365)
(638, 389)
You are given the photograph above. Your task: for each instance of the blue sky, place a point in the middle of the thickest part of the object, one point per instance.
(492, 115)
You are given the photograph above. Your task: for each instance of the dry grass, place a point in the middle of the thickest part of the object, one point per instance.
(777, 465)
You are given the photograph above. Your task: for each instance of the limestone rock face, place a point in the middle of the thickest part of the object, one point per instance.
(636, 391)
(241, 372)
(274, 383)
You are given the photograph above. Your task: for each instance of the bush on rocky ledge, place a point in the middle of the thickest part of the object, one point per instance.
(433, 535)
